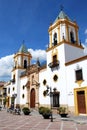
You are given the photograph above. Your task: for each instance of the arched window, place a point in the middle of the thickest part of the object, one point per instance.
(54, 58)
(25, 64)
(55, 39)
(72, 37)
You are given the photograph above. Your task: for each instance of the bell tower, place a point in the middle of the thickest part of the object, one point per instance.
(64, 39)
(22, 58)
(21, 61)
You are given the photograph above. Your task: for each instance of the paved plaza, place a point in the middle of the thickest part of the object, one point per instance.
(34, 121)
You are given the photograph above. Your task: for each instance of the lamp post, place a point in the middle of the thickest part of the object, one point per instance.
(49, 93)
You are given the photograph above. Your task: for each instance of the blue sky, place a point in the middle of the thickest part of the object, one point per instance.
(29, 20)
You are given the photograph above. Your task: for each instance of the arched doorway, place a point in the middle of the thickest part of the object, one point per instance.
(32, 98)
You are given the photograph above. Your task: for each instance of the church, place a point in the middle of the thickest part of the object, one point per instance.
(63, 78)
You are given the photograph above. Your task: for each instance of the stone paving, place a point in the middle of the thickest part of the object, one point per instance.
(34, 121)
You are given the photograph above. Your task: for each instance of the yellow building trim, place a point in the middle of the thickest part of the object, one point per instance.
(62, 21)
(58, 34)
(75, 98)
(67, 33)
(22, 54)
(76, 31)
(54, 52)
(50, 35)
(65, 42)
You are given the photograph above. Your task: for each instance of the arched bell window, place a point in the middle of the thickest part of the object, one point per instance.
(55, 39)
(72, 37)
(25, 64)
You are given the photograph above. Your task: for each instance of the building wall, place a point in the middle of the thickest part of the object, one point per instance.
(71, 52)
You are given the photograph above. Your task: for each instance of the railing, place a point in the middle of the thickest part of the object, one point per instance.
(13, 80)
(53, 64)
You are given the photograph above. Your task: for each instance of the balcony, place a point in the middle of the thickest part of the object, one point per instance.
(54, 64)
(13, 80)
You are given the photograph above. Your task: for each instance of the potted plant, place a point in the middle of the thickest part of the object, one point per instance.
(26, 111)
(46, 112)
(41, 109)
(62, 111)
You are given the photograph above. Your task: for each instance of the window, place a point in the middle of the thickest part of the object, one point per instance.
(55, 78)
(13, 88)
(54, 58)
(23, 95)
(79, 75)
(56, 99)
(14, 76)
(44, 82)
(8, 90)
(72, 37)
(55, 39)
(13, 80)
(25, 64)
(23, 87)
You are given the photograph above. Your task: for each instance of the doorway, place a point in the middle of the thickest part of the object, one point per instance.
(56, 99)
(32, 98)
(81, 102)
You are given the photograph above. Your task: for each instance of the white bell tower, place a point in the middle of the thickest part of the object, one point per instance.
(22, 58)
(64, 39)
(21, 61)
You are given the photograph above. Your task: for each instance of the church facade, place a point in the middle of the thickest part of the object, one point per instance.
(63, 75)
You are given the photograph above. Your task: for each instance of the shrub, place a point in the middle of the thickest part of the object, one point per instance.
(26, 110)
(41, 109)
(45, 111)
(62, 110)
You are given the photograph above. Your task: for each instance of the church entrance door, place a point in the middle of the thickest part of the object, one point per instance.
(32, 98)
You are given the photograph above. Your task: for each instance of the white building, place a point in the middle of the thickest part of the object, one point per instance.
(64, 73)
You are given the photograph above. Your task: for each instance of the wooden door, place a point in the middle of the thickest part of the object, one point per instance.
(32, 98)
(81, 102)
(56, 99)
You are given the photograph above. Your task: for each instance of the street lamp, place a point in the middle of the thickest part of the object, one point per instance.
(49, 93)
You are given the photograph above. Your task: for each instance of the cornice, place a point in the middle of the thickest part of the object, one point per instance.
(22, 54)
(65, 42)
(64, 21)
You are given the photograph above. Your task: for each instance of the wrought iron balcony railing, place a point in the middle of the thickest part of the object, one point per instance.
(53, 64)
(13, 80)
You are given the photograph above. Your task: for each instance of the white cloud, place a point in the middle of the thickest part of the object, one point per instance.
(6, 63)
(86, 31)
(86, 40)
(41, 54)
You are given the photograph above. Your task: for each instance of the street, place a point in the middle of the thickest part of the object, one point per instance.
(35, 121)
